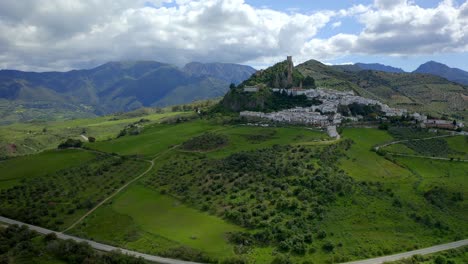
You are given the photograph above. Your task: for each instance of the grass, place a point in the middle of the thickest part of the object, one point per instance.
(154, 139)
(448, 147)
(371, 226)
(55, 200)
(363, 164)
(151, 214)
(13, 170)
(34, 137)
(399, 148)
(159, 137)
(459, 144)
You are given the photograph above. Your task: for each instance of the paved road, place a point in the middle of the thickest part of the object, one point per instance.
(427, 157)
(423, 251)
(107, 248)
(98, 246)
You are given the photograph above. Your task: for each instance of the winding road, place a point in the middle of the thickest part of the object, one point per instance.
(157, 259)
(96, 245)
(423, 251)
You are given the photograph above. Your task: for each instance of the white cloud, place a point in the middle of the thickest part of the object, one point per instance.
(63, 34)
(400, 28)
(43, 34)
(336, 24)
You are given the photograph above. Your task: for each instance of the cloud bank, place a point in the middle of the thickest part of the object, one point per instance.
(64, 34)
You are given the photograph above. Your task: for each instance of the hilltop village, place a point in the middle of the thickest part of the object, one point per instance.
(329, 112)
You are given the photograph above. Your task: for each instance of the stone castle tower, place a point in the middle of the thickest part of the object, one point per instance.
(290, 70)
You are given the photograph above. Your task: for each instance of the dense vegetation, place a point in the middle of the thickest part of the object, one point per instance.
(355, 109)
(55, 199)
(71, 143)
(21, 245)
(412, 132)
(431, 147)
(281, 193)
(205, 142)
(265, 100)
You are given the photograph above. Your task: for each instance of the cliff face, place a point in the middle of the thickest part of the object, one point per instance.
(280, 75)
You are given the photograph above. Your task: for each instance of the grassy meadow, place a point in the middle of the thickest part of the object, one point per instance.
(33, 137)
(16, 169)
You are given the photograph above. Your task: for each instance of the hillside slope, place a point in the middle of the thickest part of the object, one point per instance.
(416, 92)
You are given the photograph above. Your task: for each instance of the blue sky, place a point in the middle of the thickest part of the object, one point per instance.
(68, 34)
(351, 25)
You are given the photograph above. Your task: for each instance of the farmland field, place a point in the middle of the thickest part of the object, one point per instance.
(13, 170)
(57, 197)
(28, 138)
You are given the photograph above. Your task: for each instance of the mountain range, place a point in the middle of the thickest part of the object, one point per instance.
(430, 67)
(112, 87)
(125, 86)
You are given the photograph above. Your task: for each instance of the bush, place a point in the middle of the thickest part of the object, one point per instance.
(205, 142)
(71, 143)
(328, 246)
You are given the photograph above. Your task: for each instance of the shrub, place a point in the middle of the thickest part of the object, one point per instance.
(71, 143)
(205, 142)
(328, 246)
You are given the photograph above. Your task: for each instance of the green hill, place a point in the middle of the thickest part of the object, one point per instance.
(282, 75)
(416, 92)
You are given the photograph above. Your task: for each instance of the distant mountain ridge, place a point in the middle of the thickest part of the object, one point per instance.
(229, 72)
(379, 67)
(113, 87)
(442, 70)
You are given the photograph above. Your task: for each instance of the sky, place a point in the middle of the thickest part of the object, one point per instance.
(59, 35)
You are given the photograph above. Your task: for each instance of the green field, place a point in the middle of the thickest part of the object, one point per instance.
(13, 170)
(55, 195)
(159, 137)
(165, 220)
(455, 147)
(29, 138)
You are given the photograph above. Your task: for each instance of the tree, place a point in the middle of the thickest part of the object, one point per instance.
(71, 143)
(440, 260)
(232, 86)
(91, 139)
(309, 82)
(328, 246)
